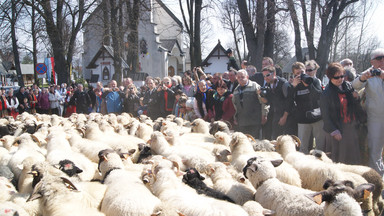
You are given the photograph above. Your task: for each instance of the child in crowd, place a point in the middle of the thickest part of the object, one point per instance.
(186, 110)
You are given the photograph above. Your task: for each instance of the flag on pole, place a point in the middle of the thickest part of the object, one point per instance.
(47, 62)
(53, 70)
(51, 75)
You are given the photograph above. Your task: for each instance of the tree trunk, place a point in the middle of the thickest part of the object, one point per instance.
(197, 37)
(296, 28)
(260, 32)
(116, 39)
(270, 31)
(34, 42)
(14, 43)
(133, 36)
(106, 24)
(249, 31)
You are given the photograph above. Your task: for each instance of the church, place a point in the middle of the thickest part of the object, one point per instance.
(161, 51)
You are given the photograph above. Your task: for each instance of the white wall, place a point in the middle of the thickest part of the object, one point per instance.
(218, 65)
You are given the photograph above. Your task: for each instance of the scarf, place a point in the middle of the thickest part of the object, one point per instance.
(347, 90)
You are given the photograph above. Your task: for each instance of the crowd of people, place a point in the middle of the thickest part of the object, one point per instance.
(263, 104)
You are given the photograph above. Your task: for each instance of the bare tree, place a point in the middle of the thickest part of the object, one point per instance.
(231, 21)
(57, 16)
(11, 11)
(193, 28)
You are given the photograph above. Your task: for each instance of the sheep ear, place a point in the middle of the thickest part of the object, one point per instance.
(156, 213)
(276, 162)
(179, 213)
(363, 191)
(316, 197)
(35, 139)
(268, 212)
(36, 193)
(328, 183)
(68, 184)
(131, 151)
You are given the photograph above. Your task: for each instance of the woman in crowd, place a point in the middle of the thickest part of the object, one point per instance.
(33, 100)
(131, 100)
(3, 105)
(222, 103)
(13, 103)
(151, 99)
(54, 100)
(43, 101)
(340, 110)
(69, 102)
(188, 87)
(203, 101)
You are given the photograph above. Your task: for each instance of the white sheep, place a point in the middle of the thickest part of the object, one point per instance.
(254, 208)
(369, 174)
(126, 194)
(223, 182)
(61, 197)
(200, 126)
(242, 150)
(167, 186)
(272, 194)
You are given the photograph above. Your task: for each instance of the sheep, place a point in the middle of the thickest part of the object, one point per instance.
(25, 180)
(167, 186)
(242, 150)
(126, 194)
(254, 208)
(340, 197)
(61, 197)
(12, 209)
(191, 156)
(200, 126)
(26, 148)
(193, 178)
(144, 131)
(6, 189)
(223, 182)
(282, 198)
(220, 126)
(222, 138)
(369, 174)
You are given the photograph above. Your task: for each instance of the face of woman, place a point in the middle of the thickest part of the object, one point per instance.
(221, 91)
(311, 71)
(338, 78)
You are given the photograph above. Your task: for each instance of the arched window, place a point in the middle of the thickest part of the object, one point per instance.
(105, 73)
(171, 71)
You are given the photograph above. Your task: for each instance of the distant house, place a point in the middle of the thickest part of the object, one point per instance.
(216, 61)
(160, 45)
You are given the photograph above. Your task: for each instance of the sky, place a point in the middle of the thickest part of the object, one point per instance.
(376, 25)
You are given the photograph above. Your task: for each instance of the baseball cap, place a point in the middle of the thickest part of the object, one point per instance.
(376, 53)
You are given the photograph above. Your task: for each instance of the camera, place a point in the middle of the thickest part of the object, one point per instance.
(376, 72)
(264, 91)
(306, 78)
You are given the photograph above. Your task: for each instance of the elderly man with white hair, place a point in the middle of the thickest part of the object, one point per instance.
(372, 80)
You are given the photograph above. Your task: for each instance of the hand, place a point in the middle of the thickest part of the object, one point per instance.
(296, 80)
(282, 120)
(366, 75)
(338, 137)
(264, 119)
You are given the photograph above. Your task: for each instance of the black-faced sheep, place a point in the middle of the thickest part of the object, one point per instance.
(193, 178)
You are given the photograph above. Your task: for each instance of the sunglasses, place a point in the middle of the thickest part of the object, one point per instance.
(338, 77)
(309, 70)
(379, 58)
(267, 75)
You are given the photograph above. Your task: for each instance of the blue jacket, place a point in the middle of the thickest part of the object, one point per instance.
(113, 101)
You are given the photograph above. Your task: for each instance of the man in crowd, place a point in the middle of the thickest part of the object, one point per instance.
(232, 82)
(280, 103)
(249, 105)
(82, 100)
(372, 80)
(112, 97)
(232, 61)
(21, 95)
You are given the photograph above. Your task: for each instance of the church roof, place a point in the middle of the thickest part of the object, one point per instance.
(170, 43)
(109, 51)
(170, 13)
(218, 51)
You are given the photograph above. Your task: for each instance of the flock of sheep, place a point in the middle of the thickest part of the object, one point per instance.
(119, 165)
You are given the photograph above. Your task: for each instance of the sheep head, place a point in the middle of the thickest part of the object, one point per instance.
(109, 159)
(259, 170)
(341, 197)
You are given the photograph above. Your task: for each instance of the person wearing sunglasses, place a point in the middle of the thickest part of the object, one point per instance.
(372, 80)
(340, 110)
(307, 110)
(280, 102)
